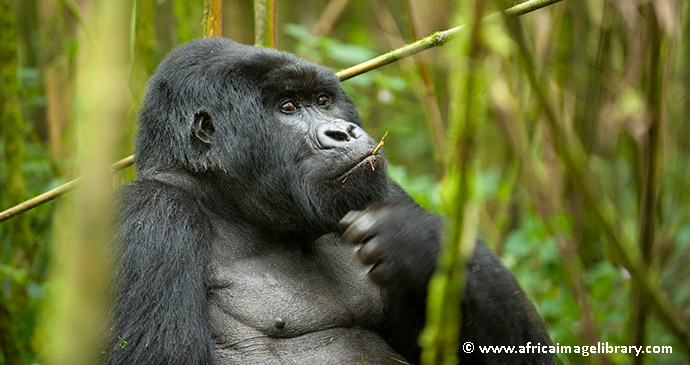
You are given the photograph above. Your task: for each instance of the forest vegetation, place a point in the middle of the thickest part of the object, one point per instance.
(561, 137)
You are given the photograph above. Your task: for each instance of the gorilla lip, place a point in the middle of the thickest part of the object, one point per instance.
(368, 159)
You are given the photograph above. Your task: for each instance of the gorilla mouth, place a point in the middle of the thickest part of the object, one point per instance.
(369, 161)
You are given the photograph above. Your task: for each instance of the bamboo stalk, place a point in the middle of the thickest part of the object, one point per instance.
(81, 230)
(649, 194)
(265, 23)
(428, 94)
(441, 335)
(213, 18)
(58, 191)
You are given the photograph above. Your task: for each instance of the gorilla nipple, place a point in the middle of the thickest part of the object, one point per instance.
(278, 323)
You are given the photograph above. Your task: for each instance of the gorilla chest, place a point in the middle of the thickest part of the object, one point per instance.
(285, 292)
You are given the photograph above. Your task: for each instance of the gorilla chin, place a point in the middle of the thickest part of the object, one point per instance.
(262, 227)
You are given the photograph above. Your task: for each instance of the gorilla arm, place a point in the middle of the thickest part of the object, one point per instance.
(161, 297)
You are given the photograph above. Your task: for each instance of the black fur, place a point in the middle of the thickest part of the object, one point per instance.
(235, 241)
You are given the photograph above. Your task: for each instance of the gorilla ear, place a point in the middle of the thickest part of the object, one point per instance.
(203, 127)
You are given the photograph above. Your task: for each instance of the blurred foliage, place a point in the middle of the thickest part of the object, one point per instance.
(594, 58)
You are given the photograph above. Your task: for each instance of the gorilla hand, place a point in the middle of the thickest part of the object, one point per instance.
(400, 240)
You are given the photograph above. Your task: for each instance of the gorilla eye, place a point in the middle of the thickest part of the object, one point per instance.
(288, 106)
(322, 100)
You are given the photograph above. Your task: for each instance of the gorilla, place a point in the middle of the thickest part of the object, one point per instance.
(263, 229)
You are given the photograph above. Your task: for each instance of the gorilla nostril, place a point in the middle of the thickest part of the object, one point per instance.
(352, 131)
(336, 134)
(339, 136)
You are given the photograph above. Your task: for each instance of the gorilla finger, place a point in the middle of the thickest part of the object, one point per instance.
(370, 252)
(347, 220)
(361, 229)
(381, 273)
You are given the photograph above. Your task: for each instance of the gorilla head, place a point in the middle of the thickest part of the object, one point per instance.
(270, 137)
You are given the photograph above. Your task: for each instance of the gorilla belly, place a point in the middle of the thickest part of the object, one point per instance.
(330, 346)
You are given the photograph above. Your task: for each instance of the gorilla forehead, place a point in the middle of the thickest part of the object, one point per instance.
(299, 77)
(221, 58)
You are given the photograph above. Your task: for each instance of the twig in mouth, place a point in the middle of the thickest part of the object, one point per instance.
(378, 147)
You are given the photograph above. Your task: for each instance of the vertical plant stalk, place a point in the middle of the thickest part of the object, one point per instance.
(78, 304)
(587, 114)
(56, 73)
(441, 335)
(650, 185)
(265, 34)
(141, 65)
(433, 110)
(13, 297)
(418, 74)
(182, 10)
(76, 12)
(212, 22)
(683, 165)
(10, 112)
(328, 17)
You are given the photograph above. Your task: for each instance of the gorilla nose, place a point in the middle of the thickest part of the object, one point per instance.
(337, 134)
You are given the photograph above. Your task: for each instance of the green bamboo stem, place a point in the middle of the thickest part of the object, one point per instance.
(649, 190)
(58, 191)
(265, 34)
(441, 335)
(213, 18)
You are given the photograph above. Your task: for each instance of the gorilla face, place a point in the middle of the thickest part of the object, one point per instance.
(334, 168)
(278, 132)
